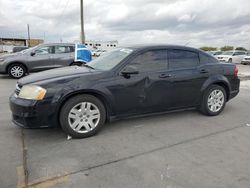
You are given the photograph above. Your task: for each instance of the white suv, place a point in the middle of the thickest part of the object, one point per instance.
(232, 56)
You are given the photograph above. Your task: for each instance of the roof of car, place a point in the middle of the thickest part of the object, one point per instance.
(146, 46)
(51, 44)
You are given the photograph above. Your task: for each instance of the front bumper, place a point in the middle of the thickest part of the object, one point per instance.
(32, 114)
(223, 60)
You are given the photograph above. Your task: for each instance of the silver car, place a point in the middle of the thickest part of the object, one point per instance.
(41, 57)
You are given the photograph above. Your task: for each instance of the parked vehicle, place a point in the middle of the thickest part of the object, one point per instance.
(19, 48)
(246, 60)
(131, 81)
(215, 53)
(232, 56)
(42, 57)
(98, 53)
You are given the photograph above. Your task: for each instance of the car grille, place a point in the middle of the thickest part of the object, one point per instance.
(18, 89)
(247, 59)
(220, 57)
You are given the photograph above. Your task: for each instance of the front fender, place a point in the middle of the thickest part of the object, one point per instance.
(63, 95)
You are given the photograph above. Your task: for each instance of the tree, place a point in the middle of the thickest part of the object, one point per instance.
(227, 48)
(207, 48)
(241, 48)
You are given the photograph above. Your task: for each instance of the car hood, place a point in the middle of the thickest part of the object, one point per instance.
(4, 56)
(55, 73)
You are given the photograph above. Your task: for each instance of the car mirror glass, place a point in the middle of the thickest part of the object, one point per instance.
(32, 53)
(130, 70)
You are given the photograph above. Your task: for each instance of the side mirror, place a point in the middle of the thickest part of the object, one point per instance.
(130, 69)
(32, 53)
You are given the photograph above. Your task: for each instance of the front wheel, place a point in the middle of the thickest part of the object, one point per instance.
(82, 116)
(230, 61)
(214, 100)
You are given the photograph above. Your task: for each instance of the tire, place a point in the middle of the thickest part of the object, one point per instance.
(208, 101)
(230, 61)
(17, 71)
(84, 124)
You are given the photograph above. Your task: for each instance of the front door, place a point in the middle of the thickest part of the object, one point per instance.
(146, 91)
(41, 59)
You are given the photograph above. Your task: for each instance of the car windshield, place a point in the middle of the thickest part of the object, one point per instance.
(228, 53)
(110, 59)
(27, 50)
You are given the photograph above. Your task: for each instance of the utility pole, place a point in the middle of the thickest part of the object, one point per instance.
(82, 22)
(28, 35)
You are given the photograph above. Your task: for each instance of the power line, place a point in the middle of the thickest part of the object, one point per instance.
(66, 5)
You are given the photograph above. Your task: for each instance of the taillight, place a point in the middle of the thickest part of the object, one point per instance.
(236, 70)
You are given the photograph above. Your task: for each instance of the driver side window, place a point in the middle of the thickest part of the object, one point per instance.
(44, 50)
(150, 61)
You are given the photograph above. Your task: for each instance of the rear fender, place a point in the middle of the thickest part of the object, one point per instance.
(217, 79)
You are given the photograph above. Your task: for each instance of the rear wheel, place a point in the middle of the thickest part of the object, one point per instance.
(82, 116)
(16, 71)
(214, 100)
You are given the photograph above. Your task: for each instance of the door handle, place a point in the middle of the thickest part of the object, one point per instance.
(165, 75)
(203, 71)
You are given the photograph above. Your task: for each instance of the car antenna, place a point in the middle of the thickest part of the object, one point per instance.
(187, 43)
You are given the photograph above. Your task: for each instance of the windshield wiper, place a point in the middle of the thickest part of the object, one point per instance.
(88, 66)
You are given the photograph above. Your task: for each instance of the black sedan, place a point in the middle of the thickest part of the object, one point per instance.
(130, 81)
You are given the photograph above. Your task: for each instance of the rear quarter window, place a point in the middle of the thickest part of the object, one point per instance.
(205, 59)
(213, 60)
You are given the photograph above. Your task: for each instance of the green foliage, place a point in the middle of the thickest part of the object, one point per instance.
(207, 48)
(227, 48)
(241, 48)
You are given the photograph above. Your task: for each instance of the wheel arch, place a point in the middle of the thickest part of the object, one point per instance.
(16, 62)
(94, 93)
(221, 82)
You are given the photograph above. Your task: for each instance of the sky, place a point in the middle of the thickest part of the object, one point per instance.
(184, 22)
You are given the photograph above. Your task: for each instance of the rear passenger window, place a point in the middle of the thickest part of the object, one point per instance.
(153, 60)
(240, 53)
(179, 59)
(63, 49)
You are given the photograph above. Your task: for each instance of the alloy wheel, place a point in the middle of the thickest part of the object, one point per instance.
(84, 117)
(216, 100)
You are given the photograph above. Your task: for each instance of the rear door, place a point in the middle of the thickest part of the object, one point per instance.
(64, 55)
(187, 78)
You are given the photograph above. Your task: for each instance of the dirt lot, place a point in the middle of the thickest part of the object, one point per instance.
(184, 149)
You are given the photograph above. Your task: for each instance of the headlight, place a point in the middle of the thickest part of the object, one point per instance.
(1, 59)
(32, 92)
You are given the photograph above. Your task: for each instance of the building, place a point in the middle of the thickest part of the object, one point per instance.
(101, 45)
(6, 44)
